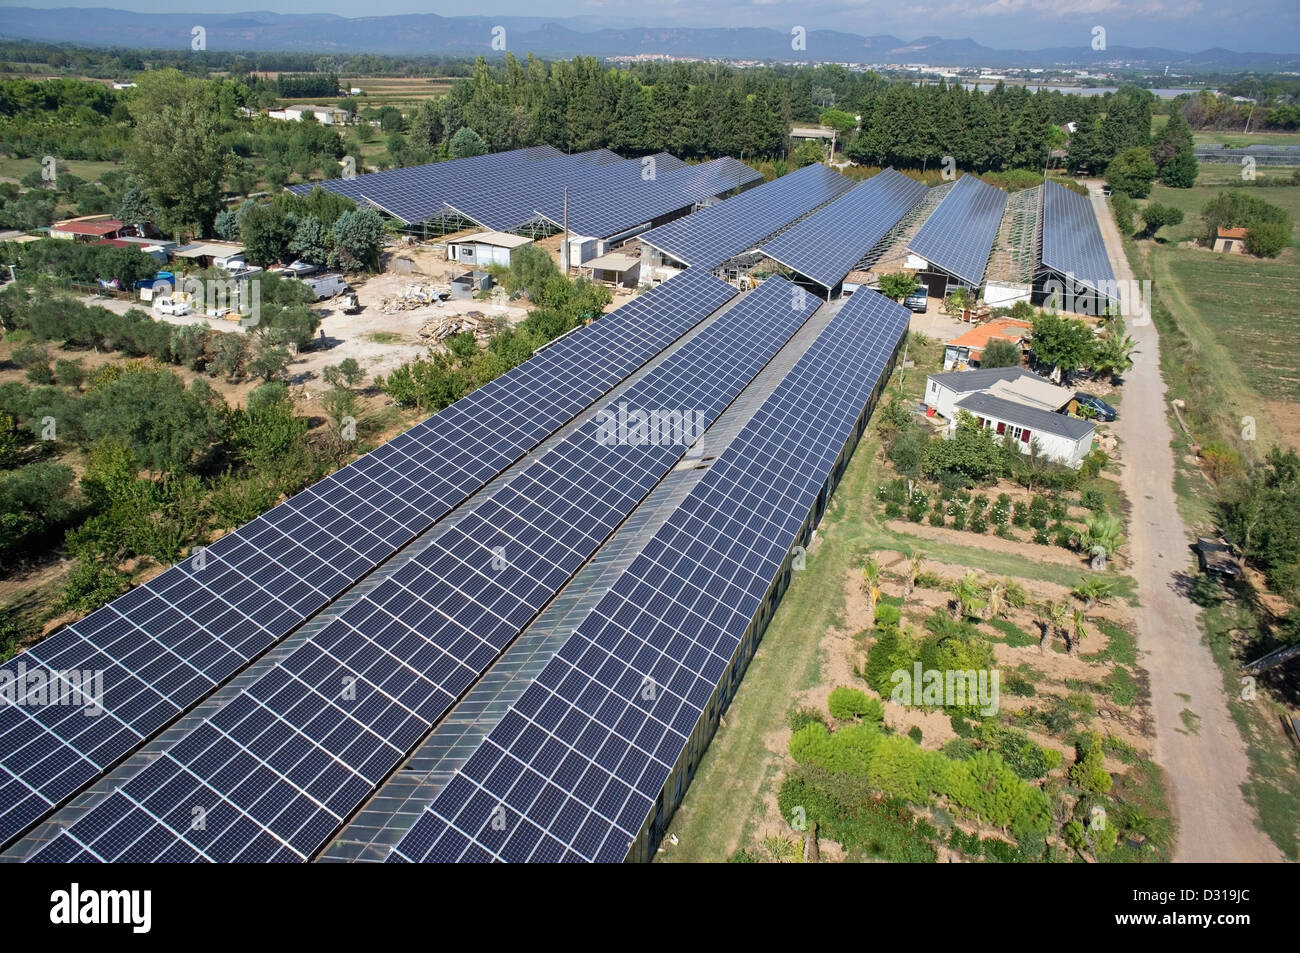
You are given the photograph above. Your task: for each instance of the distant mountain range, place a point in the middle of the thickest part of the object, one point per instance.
(470, 35)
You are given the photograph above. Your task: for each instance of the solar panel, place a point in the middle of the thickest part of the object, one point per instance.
(574, 768)
(958, 236)
(428, 184)
(507, 204)
(826, 245)
(707, 238)
(1072, 242)
(168, 643)
(603, 212)
(281, 764)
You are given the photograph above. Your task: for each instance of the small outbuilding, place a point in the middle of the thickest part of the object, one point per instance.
(1231, 241)
(485, 248)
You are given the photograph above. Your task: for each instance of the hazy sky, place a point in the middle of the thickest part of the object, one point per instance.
(1243, 25)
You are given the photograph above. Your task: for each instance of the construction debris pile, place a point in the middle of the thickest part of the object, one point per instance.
(438, 329)
(416, 296)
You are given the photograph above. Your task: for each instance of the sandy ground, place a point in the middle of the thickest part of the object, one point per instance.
(1206, 769)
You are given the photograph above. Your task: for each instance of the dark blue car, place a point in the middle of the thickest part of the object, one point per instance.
(1101, 409)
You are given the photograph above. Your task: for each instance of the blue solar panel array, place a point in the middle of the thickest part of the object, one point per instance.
(959, 235)
(826, 245)
(280, 765)
(573, 770)
(506, 190)
(170, 642)
(508, 203)
(601, 212)
(712, 235)
(418, 192)
(1072, 242)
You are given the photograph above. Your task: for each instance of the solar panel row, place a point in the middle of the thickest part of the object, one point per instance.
(1072, 242)
(168, 643)
(422, 190)
(506, 190)
(827, 244)
(601, 212)
(574, 769)
(277, 768)
(958, 236)
(712, 235)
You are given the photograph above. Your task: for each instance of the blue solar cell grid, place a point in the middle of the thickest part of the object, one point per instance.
(288, 758)
(1072, 242)
(712, 235)
(168, 643)
(575, 767)
(827, 244)
(958, 236)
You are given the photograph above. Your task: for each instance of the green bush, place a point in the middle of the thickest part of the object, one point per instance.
(936, 517)
(802, 717)
(887, 615)
(851, 703)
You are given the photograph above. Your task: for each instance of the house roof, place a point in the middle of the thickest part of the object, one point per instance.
(1232, 232)
(977, 338)
(215, 249)
(612, 261)
(1043, 421)
(963, 382)
(1033, 392)
(79, 227)
(497, 239)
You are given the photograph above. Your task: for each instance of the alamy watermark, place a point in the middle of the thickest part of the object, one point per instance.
(1131, 299)
(947, 688)
(626, 426)
(39, 687)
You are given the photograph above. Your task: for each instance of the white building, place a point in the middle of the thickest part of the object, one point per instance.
(485, 248)
(944, 391)
(326, 115)
(1058, 437)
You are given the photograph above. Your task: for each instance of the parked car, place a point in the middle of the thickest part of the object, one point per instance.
(1100, 409)
(918, 300)
(173, 306)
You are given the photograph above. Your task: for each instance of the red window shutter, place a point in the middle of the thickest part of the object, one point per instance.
(981, 421)
(1024, 436)
(1002, 428)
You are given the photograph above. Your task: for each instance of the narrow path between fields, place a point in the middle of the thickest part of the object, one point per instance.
(1206, 763)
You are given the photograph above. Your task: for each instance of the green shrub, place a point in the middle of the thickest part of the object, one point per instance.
(887, 615)
(978, 524)
(936, 516)
(915, 733)
(851, 703)
(802, 717)
(1020, 515)
(1093, 500)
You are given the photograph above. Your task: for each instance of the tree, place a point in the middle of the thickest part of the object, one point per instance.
(807, 153)
(971, 453)
(165, 425)
(1238, 208)
(178, 153)
(1077, 631)
(1261, 516)
(1066, 343)
(1113, 356)
(466, 142)
(897, 284)
(135, 207)
(265, 234)
(269, 362)
(1000, 353)
(358, 240)
(350, 106)
(226, 225)
(1092, 589)
(1101, 532)
(967, 599)
(348, 372)
(1132, 172)
(1267, 239)
(1173, 142)
(1181, 171)
(1123, 208)
(1155, 216)
(310, 240)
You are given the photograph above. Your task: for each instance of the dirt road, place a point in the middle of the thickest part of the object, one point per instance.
(1203, 757)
